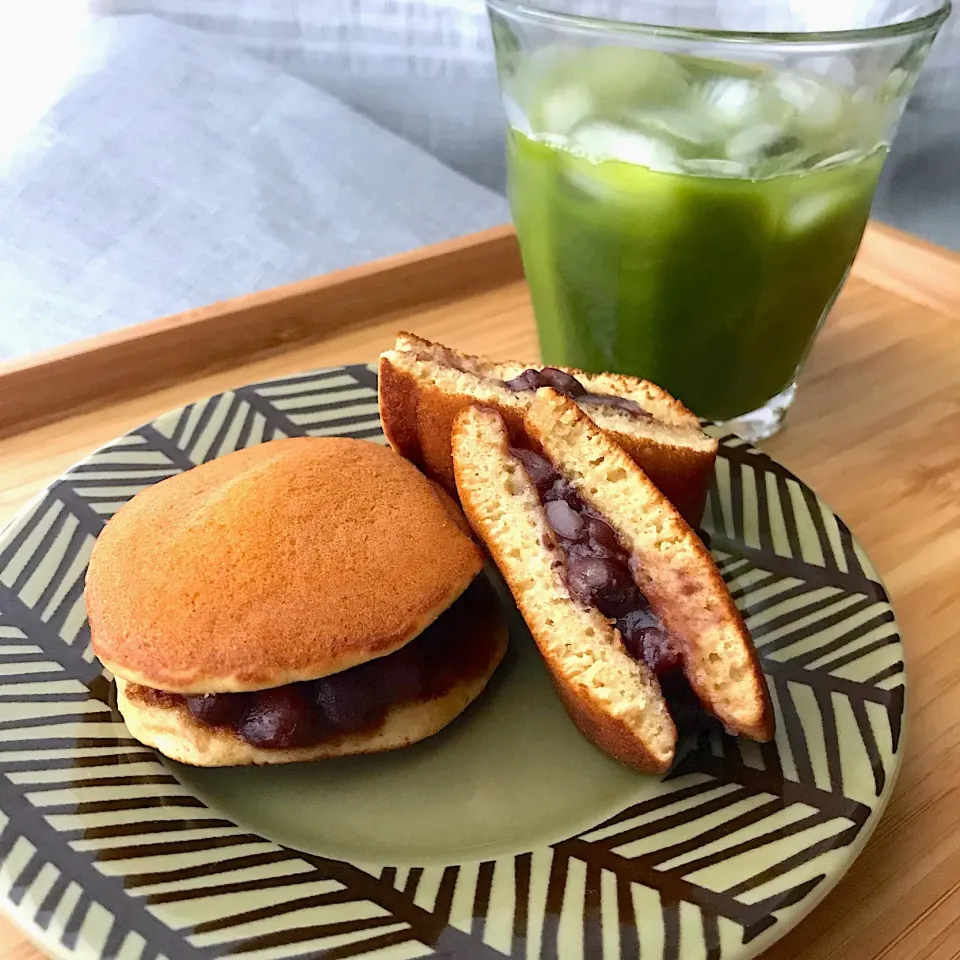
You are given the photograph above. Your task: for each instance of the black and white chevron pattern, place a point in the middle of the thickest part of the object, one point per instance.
(104, 853)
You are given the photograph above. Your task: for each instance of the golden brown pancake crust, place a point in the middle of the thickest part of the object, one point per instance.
(611, 734)
(287, 561)
(418, 419)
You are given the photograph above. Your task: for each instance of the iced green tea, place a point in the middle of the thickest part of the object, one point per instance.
(684, 220)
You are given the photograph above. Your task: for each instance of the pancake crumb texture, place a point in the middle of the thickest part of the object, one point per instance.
(613, 698)
(669, 563)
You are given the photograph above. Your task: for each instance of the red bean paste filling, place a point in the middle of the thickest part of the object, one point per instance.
(571, 387)
(458, 645)
(597, 570)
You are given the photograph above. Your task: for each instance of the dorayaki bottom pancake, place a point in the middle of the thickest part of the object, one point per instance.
(385, 704)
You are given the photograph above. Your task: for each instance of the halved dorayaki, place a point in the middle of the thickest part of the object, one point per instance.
(424, 385)
(614, 585)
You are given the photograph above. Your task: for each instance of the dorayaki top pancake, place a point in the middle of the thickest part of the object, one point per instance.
(287, 561)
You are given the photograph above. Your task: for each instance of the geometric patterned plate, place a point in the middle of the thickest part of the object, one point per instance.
(507, 834)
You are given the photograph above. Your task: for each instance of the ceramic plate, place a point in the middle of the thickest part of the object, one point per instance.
(505, 835)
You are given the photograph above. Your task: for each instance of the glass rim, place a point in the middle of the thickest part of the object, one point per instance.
(917, 25)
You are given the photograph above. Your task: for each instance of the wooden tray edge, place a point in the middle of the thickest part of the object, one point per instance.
(909, 267)
(140, 358)
(135, 360)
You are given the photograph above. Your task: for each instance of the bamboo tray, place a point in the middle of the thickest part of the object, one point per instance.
(875, 430)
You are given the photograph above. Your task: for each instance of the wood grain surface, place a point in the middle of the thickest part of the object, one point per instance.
(83, 375)
(875, 430)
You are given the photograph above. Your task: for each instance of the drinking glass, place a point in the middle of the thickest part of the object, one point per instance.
(690, 182)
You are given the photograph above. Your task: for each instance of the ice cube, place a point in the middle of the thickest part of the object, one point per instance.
(680, 127)
(712, 167)
(845, 156)
(813, 210)
(839, 68)
(898, 84)
(754, 142)
(562, 109)
(620, 78)
(732, 101)
(817, 106)
(516, 116)
(603, 140)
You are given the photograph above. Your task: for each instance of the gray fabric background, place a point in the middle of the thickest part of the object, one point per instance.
(424, 69)
(205, 148)
(176, 171)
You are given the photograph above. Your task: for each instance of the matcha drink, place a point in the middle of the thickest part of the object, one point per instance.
(683, 219)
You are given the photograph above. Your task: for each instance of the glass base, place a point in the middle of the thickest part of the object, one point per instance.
(765, 421)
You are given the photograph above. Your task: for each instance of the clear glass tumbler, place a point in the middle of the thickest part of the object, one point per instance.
(690, 181)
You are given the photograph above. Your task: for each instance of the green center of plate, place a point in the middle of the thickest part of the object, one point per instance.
(510, 774)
